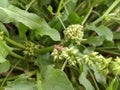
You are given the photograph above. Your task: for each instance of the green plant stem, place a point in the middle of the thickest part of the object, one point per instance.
(59, 7)
(97, 88)
(67, 12)
(14, 43)
(39, 84)
(44, 50)
(107, 12)
(16, 55)
(58, 13)
(26, 63)
(29, 5)
(64, 6)
(86, 17)
(108, 51)
(64, 64)
(9, 78)
(9, 73)
(61, 22)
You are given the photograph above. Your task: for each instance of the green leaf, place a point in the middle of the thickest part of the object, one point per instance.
(95, 41)
(73, 18)
(71, 3)
(102, 31)
(3, 28)
(117, 35)
(108, 44)
(43, 60)
(88, 50)
(99, 77)
(22, 30)
(55, 23)
(4, 64)
(113, 85)
(32, 21)
(4, 49)
(85, 82)
(55, 79)
(50, 8)
(47, 31)
(3, 15)
(22, 83)
(44, 2)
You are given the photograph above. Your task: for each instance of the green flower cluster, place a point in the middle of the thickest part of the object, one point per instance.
(30, 47)
(74, 34)
(1, 35)
(100, 61)
(73, 56)
(115, 66)
(67, 53)
(104, 65)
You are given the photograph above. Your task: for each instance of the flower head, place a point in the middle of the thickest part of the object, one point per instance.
(74, 33)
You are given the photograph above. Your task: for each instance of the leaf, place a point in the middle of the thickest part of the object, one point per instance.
(44, 2)
(95, 41)
(102, 31)
(47, 31)
(71, 3)
(55, 79)
(4, 64)
(85, 82)
(22, 83)
(4, 49)
(3, 15)
(32, 21)
(88, 50)
(113, 85)
(22, 30)
(99, 77)
(55, 23)
(117, 35)
(43, 60)
(108, 44)
(3, 28)
(50, 8)
(73, 18)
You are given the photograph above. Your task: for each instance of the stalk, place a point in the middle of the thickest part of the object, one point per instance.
(14, 43)
(59, 7)
(62, 69)
(61, 22)
(58, 12)
(97, 88)
(86, 17)
(107, 11)
(29, 5)
(108, 51)
(46, 49)
(9, 73)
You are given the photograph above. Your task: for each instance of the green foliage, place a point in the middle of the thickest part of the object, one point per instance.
(32, 21)
(102, 31)
(113, 85)
(22, 83)
(55, 79)
(4, 64)
(85, 82)
(59, 44)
